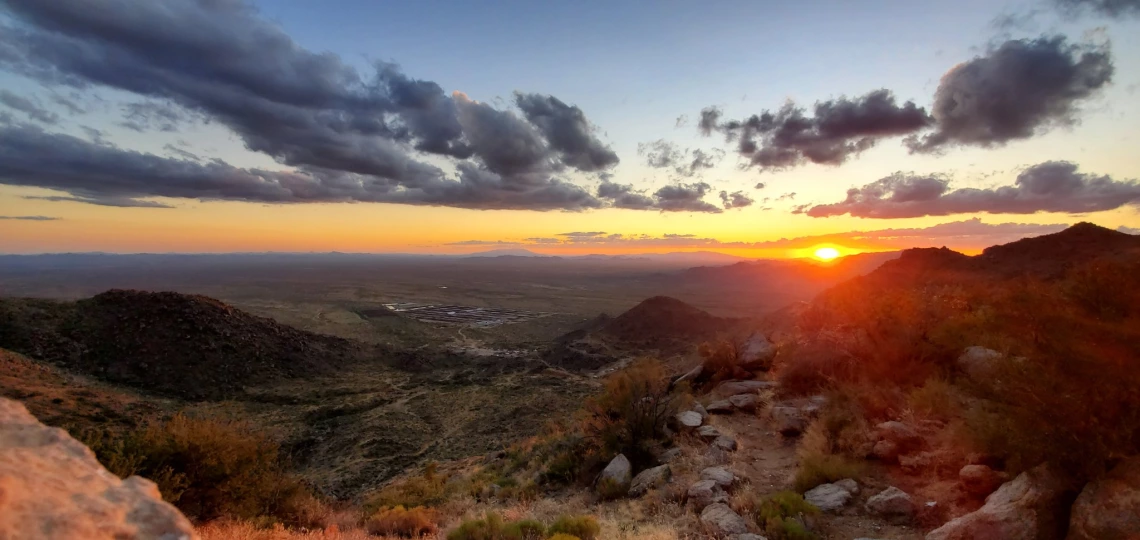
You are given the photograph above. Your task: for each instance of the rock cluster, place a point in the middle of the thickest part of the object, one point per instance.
(53, 488)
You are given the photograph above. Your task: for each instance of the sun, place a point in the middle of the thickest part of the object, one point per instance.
(826, 253)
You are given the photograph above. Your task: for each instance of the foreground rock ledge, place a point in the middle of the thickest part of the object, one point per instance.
(53, 488)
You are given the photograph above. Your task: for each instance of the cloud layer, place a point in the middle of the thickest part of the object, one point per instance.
(971, 234)
(1052, 186)
(1016, 90)
(349, 136)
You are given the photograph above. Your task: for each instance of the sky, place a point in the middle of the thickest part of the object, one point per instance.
(761, 129)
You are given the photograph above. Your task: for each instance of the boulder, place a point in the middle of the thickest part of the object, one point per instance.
(849, 484)
(756, 353)
(1030, 507)
(732, 388)
(704, 493)
(708, 433)
(901, 434)
(53, 488)
(828, 497)
(978, 362)
(615, 478)
(700, 409)
(1109, 507)
(669, 455)
(891, 502)
(790, 421)
(719, 475)
(689, 420)
(726, 443)
(720, 520)
(649, 479)
(720, 407)
(885, 451)
(744, 402)
(979, 480)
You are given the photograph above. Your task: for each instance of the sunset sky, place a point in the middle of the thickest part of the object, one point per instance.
(563, 127)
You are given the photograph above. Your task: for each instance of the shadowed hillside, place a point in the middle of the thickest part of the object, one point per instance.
(182, 345)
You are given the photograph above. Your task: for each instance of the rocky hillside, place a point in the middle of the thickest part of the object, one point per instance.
(187, 346)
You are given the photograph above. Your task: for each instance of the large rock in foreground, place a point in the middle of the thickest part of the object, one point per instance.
(1110, 506)
(1032, 506)
(757, 353)
(616, 478)
(52, 487)
(719, 519)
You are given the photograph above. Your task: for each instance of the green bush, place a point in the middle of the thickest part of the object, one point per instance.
(781, 515)
(209, 468)
(492, 527)
(816, 469)
(583, 527)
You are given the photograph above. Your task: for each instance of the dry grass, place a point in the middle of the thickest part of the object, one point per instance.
(241, 530)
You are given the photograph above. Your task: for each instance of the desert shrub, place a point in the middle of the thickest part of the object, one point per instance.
(720, 361)
(936, 399)
(630, 414)
(428, 489)
(818, 468)
(245, 530)
(841, 428)
(492, 527)
(207, 467)
(402, 522)
(583, 527)
(781, 515)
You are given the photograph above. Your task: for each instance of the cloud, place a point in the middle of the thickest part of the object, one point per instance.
(180, 152)
(27, 106)
(1017, 90)
(31, 218)
(580, 234)
(1107, 8)
(1052, 186)
(568, 131)
(662, 154)
(971, 234)
(760, 185)
(346, 135)
(103, 200)
(835, 131)
(1128, 230)
(736, 199)
(146, 116)
(684, 198)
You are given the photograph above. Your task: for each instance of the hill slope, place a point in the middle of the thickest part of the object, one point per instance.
(182, 345)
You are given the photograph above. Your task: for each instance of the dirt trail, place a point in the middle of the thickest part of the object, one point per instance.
(769, 461)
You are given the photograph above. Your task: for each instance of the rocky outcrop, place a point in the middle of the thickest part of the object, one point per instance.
(978, 362)
(732, 388)
(1032, 506)
(52, 487)
(979, 480)
(615, 478)
(892, 502)
(744, 402)
(720, 520)
(828, 497)
(1109, 507)
(756, 353)
(704, 493)
(649, 479)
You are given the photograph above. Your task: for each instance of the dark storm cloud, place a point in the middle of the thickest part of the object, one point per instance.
(836, 129)
(568, 131)
(31, 218)
(102, 174)
(1107, 8)
(1053, 186)
(1017, 90)
(30, 108)
(350, 137)
(146, 116)
(736, 199)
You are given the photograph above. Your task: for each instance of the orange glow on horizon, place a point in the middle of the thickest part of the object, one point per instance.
(826, 253)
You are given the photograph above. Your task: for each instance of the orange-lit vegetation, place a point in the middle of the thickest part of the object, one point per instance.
(1066, 388)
